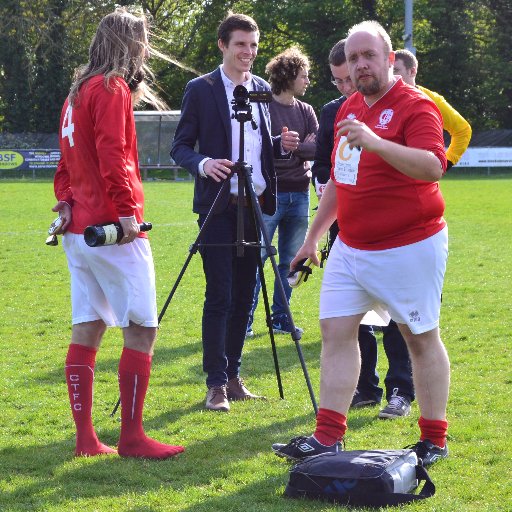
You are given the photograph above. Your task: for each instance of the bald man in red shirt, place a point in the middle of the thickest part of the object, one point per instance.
(392, 247)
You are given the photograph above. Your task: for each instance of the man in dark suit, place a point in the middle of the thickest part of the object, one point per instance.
(206, 120)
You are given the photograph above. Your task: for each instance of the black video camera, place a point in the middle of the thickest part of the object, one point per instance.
(241, 96)
(242, 103)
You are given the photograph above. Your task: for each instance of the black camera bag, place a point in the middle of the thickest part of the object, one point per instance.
(373, 478)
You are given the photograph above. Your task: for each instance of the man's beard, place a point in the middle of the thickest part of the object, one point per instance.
(369, 89)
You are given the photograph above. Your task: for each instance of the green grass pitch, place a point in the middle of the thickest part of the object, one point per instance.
(228, 464)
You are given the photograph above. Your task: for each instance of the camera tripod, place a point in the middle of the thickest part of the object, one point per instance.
(243, 113)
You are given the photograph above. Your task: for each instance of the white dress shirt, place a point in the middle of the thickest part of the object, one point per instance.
(252, 140)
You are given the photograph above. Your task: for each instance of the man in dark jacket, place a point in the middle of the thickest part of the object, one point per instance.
(206, 120)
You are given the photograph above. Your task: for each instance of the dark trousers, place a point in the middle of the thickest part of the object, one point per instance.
(368, 384)
(399, 374)
(230, 282)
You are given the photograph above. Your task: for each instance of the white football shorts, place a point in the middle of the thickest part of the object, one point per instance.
(406, 281)
(113, 283)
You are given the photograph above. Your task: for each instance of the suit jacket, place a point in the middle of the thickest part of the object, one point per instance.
(205, 119)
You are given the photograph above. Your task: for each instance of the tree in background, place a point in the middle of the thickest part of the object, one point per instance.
(502, 61)
(51, 79)
(313, 26)
(15, 70)
(444, 47)
(186, 31)
(463, 47)
(41, 44)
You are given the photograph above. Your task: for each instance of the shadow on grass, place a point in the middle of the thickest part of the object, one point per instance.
(55, 476)
(260, 495)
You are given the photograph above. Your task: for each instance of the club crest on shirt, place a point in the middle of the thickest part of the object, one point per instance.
(384, 119)
(351, 116)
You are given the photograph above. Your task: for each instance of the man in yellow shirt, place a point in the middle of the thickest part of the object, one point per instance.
(406, 65)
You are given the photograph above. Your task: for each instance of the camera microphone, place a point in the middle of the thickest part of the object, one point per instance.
(108, 234)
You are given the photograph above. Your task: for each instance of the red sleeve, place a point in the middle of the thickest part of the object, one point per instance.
(110, 112)
(61, 180)
(424, 130)
(61, 183)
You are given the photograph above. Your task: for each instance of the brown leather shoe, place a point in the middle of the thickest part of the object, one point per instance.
(236, 390)
(216, 399)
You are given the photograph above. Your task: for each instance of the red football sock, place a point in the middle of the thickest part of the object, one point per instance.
(330, 426)
(433, 430)
(134, 371)
(80, 379)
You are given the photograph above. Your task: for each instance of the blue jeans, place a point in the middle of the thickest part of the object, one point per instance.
(399, 374)
(230, 282)
(291, 221)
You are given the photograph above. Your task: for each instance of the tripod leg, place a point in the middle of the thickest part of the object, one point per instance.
(240, 214)
(245, 190)
(253, 201)
(269, 324)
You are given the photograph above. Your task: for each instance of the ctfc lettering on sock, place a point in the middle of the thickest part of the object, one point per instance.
(75, 385)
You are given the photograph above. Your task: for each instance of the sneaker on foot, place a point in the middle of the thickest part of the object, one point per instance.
(428, 452)
(217, 399)
(359, 400)
(282, 325)
(398, 407)
(300, 447)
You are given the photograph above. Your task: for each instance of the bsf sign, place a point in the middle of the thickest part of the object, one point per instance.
(29, 159)
(10, 159)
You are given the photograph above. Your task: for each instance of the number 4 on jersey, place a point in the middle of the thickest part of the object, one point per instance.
(68, 127)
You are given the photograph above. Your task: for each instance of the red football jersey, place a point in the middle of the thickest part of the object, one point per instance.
(378, 206)
(98, 173)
